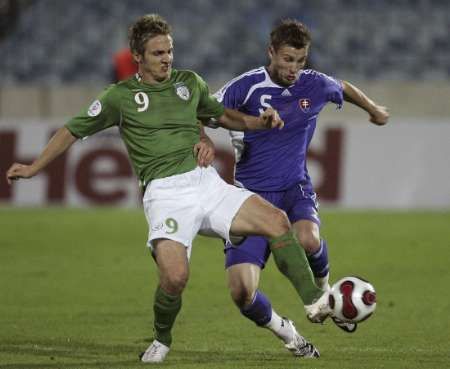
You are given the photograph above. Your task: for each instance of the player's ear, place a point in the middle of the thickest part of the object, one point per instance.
(137, 58)
(270, 52)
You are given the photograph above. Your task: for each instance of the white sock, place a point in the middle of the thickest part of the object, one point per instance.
(323, 283)
(280, 327)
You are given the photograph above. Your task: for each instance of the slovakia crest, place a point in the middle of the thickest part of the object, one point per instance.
(305, 105)
(182, 91)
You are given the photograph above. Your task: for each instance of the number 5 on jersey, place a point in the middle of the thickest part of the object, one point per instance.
(264, 103)
(142, 101)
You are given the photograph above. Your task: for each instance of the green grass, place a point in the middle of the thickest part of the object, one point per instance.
(76, 290)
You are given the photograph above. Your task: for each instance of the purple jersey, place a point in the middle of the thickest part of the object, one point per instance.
(275, 160)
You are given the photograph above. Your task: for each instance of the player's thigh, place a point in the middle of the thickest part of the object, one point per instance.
(302, 204)
(175, 220)
(220, 202)
(304, 215)
(173, 265)
(253, 249)
(258, 216)
(172, 213)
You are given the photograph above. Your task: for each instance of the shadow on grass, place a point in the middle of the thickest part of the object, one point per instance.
(94, 355)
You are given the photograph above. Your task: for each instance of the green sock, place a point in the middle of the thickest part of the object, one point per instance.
(292, 262)
(166, 308)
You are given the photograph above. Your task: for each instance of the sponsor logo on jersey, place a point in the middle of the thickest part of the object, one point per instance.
(95, 108)
(305, 105)
(286, 93)
(182, 91)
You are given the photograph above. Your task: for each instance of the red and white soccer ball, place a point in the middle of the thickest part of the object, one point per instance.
(352, 299)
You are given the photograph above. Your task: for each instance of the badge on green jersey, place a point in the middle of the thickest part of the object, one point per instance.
(182, 91)
(95, 108)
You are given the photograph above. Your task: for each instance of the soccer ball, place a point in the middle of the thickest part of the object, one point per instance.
(352, 299)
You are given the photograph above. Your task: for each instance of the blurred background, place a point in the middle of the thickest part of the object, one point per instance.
(56, 56)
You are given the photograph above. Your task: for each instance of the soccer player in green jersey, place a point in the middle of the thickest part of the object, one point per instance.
(157, 115)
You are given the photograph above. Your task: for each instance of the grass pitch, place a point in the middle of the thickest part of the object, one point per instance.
(76, 290)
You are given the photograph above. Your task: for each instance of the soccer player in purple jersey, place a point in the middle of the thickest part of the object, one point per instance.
(273, 163)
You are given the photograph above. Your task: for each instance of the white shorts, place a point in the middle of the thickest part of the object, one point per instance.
(180, 206)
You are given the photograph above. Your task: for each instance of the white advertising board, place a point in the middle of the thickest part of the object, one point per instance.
(403, 165)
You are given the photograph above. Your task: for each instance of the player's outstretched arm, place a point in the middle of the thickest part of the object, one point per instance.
(237, 121)
(59, 143)
(379, 115)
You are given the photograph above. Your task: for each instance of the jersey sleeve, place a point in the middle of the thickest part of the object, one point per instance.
(232, 95)
(333, 89)
(104, 112)
(208, 106)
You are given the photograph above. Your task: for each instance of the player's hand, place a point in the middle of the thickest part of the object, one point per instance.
(271, 119)
(18, 170)
(379, 115)
(205, 152)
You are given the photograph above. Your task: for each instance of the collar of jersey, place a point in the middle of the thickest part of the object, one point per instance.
(276, 84)
(158, 87)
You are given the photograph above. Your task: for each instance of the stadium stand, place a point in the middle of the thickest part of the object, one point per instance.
(63, 41)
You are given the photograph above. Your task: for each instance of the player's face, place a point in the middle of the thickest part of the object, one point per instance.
(156, 63)
(286, 64)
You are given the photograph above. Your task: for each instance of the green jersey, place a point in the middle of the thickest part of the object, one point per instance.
(158, 123)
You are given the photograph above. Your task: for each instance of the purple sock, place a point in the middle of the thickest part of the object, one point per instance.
(319, 261)
(260, 310)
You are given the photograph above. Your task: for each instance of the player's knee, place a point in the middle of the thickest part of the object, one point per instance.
(242, 295)
(310, 242)
(175, 283)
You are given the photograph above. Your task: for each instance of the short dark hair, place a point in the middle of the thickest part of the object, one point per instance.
(290, 32)
(146, 27)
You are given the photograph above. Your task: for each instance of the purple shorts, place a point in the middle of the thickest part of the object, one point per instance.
(299, 202)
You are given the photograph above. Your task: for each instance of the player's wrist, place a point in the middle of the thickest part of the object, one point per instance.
(32, 170)
(371, 107)
(254, 123)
